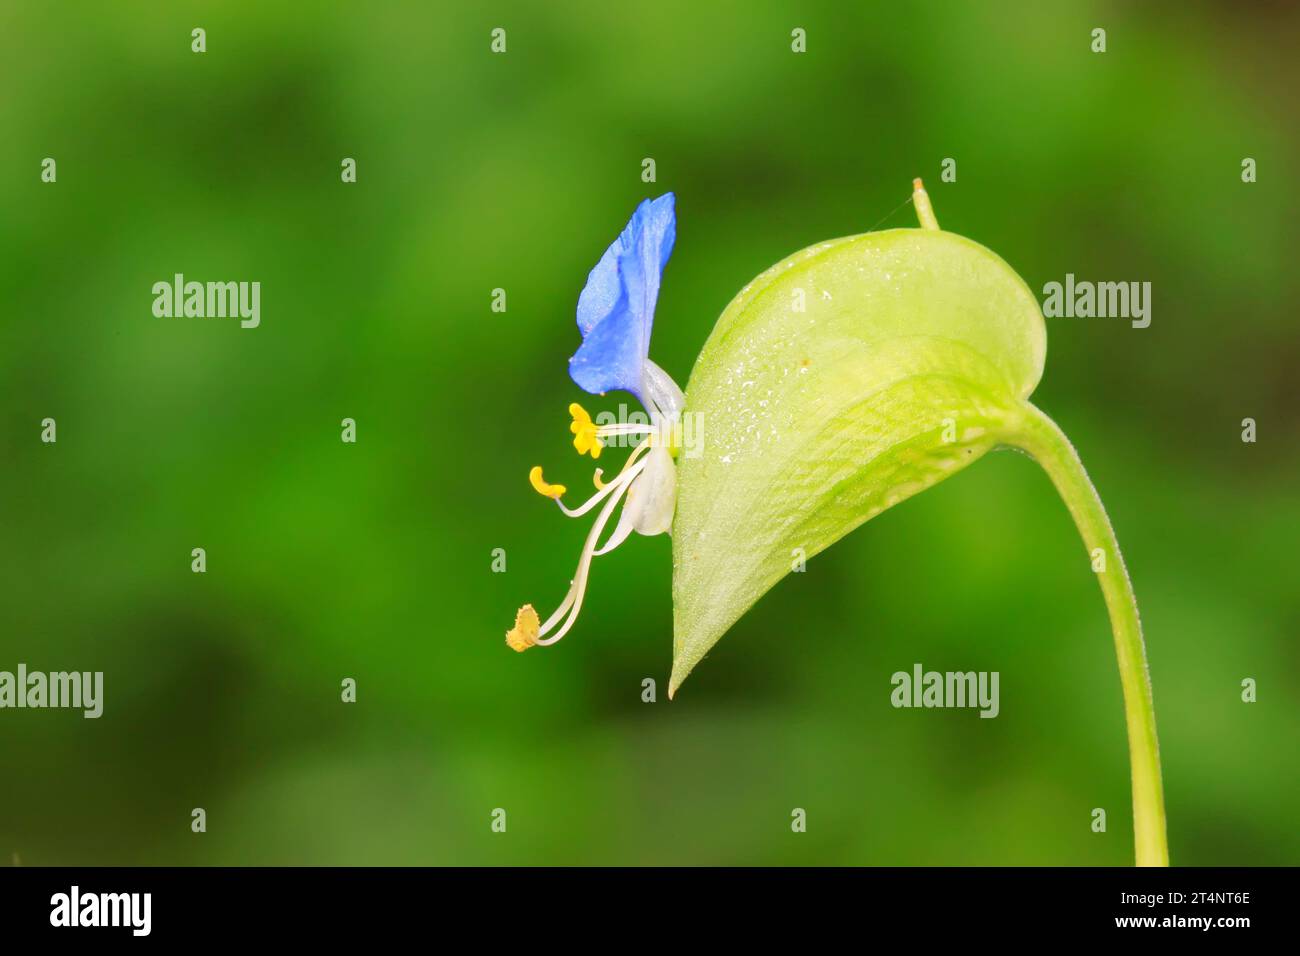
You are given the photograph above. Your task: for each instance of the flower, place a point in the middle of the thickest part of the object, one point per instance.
(615, 315)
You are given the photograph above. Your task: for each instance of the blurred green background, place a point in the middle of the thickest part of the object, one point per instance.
(373, 561)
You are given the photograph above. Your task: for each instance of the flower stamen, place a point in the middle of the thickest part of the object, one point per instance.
(572, 604)
(542, 486)
(606, 488)
(585, 432)
(524, 634)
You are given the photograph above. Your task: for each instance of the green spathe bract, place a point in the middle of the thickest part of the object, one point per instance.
(813, 421)
(845, 379)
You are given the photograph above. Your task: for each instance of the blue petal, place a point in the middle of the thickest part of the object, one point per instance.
(617, 306)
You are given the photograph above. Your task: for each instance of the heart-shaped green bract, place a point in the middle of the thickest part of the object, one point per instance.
(841, 381)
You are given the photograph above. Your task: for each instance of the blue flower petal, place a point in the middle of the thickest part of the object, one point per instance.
(617, 306)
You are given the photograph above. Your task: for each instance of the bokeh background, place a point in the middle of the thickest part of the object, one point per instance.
(373, 561)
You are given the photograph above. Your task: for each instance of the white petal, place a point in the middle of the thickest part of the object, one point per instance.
(656, 494)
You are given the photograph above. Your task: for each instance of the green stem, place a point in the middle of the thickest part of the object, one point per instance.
(1041, 438)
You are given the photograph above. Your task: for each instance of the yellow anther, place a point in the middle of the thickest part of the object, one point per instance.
(524, 634)
(541, 486)
(580, 416)
(585, 442)
(584, 431)
(595, 479)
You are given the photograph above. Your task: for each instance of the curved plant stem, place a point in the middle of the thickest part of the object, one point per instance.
(1041, 438)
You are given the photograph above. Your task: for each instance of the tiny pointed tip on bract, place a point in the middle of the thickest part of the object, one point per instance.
(681, 670)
